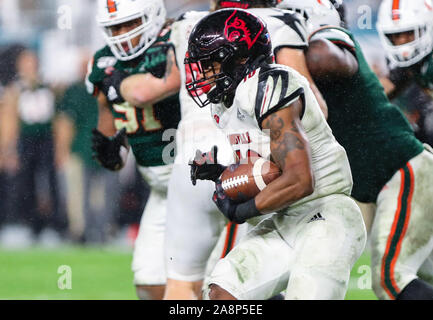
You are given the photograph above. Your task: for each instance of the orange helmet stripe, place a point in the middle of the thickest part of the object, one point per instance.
(111, 5)
(396, 10)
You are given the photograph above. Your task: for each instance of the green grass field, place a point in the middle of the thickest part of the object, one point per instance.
(98, 274)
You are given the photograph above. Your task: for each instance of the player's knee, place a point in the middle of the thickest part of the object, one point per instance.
(218, 293)
(149, 292)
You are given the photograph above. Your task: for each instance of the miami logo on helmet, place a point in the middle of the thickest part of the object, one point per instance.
(236, 30)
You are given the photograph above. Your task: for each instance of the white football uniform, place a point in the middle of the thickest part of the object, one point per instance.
(148, 262)
(310, 247)
(194, 223)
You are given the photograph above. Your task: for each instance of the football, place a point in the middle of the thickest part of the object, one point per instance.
(243, 181)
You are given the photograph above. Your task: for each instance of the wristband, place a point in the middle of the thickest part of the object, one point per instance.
(245, 211)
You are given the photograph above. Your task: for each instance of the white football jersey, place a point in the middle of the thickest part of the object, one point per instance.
(181, 30)
(267, 90)
(196, 130)
(286, 29)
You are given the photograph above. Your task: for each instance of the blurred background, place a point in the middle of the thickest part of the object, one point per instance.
(57, 206)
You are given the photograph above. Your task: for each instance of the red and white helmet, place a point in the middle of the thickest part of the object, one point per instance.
(114, 12)
(317, 12)
(396, 16)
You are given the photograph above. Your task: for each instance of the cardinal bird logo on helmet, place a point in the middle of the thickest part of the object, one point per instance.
(236, 30)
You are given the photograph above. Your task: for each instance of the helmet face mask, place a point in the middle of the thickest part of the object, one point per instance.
(148, 17)
(207, 77)
(414, 19)
(409, 53)
(223, 48)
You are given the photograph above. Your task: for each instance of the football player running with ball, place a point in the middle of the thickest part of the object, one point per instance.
(137, 43)
(390, 167)
(194, 223)
(308, 255)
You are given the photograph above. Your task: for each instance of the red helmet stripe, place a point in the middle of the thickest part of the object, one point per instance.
(396, 10)
(233, 4)
(111, 5)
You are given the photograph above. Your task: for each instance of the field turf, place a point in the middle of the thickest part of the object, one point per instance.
(99, 274)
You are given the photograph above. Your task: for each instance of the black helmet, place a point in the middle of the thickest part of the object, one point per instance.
(236, 39)
(243, 4)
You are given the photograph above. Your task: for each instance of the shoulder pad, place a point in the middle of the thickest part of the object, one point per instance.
(102, 59)
(181, 17)
(278, 86)
(290, 32)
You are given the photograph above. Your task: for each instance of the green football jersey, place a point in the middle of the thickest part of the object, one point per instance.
(376, 135)
(425, 75)
(145, 127)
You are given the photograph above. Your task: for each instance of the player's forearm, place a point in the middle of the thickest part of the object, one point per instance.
(284, 191)
(105, 117)
(326, 61)
(105, 125)
(144, 89)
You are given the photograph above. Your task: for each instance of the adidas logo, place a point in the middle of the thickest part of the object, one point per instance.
(112, 94)
(316, 217)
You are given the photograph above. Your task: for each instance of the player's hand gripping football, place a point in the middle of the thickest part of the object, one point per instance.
(205, 166)
(235, 212)
(107, 151)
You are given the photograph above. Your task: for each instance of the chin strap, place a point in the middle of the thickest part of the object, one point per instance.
(222, 92)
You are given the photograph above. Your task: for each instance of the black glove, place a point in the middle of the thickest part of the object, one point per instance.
(235, 212)
(110, 86)
(106, 150)
(399, 76)
(205, 166)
